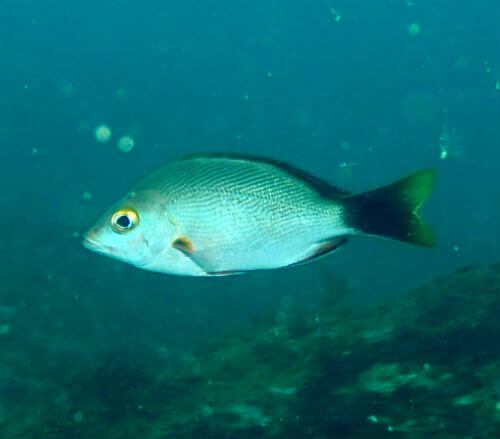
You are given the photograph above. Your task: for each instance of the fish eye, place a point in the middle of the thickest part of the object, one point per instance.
(124, 220)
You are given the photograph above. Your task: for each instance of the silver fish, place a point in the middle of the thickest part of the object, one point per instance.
(220, 214)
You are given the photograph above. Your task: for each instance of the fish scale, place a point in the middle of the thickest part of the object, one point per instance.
(256, 208)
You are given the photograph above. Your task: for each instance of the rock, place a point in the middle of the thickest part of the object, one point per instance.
(423, 365)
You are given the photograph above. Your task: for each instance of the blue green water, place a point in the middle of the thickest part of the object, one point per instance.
(357, 92)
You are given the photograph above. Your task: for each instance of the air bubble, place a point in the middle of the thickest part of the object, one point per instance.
(103, 133)
(126, 144)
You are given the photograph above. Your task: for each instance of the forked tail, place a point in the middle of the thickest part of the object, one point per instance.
(393, 211)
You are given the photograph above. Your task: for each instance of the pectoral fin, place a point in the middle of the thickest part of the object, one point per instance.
(184, 244)
(205, 259)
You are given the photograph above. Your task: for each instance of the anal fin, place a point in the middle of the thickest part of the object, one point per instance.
(322, 249)
(226, 273)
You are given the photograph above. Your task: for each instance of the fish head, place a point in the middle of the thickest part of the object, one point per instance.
(135, 230)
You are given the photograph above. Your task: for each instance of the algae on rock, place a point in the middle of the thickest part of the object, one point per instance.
(424, 365)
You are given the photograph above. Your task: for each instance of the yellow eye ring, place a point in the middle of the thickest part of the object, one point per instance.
(124, 220)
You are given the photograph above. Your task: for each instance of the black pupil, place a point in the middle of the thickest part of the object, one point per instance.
(123, 221)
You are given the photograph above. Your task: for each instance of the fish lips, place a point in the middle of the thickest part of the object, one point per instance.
(107, 250)
(91, 244)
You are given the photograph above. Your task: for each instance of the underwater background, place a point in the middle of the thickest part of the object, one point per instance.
(365, 343)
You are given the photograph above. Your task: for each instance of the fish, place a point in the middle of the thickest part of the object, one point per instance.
(218, 214)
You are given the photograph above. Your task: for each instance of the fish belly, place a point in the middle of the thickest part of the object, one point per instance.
(243, 236)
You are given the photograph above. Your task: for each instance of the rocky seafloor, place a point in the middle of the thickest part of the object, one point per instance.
(425, 365)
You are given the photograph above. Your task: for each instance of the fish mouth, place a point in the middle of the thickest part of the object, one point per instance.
(96, 246)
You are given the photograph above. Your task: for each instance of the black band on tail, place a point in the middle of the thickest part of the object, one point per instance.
(392, 211)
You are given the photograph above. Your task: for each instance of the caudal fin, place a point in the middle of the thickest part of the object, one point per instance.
(393, 211)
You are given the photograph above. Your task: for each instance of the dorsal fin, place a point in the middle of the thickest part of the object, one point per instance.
(321, 186)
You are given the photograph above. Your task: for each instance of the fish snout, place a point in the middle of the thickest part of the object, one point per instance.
(91, 242)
